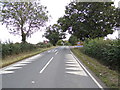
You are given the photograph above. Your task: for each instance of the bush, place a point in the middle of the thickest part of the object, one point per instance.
(10, 48)
(44, 45)
(60, 42)
(107, 51)
(67, 43)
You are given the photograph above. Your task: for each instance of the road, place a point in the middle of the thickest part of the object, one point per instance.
(56, 68)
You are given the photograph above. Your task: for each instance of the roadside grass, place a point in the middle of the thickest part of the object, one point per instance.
(106, 75)
(15, 58)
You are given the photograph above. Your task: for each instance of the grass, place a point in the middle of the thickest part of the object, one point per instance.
(15, 58)
(108, 76)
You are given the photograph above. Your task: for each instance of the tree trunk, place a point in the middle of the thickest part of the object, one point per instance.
(23, 37)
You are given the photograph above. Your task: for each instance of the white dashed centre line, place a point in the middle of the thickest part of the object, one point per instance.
(56, 53)
(46, 65)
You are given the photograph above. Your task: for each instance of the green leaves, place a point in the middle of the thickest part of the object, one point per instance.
(54, 33)
(73, 40)
(24, 17)
(17, 48)
(106, 51)
(89, 19)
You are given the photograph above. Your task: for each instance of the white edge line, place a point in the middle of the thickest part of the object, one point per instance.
(88, 72)
(46, 65)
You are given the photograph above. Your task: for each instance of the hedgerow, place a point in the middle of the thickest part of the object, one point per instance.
(106, 51)
(17, 48)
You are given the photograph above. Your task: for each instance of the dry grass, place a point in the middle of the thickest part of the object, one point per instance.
(109, 77)
(15, 58)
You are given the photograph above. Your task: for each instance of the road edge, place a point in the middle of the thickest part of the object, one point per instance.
(99, 83)
(24, 59)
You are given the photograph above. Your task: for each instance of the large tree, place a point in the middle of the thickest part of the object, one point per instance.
(54, 34)
(23, 18)
(73, 40)
(90, 19)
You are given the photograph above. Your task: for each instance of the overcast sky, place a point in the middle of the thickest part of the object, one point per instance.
(56, 9)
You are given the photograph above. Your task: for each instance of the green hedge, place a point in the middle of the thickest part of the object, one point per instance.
(11, 49)
(107, 51)
(44, 45)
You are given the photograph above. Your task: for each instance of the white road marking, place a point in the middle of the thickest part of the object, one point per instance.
(70, 62)
(30, 60)
(49, 51)
(33, 82)
(34, 57)
(56, 53)
(12, 68)
(46, 65)
(74, 68)
(72, 65)
(6, 72)
(18, 64)
(24, 62)
(81, 73)
(87, 71)
(55, 50)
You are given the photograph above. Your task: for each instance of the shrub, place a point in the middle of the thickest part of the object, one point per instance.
(10, 48)
(107, 51)
(44, 45)
(60, 42)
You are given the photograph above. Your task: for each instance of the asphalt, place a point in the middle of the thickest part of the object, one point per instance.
(56, 68)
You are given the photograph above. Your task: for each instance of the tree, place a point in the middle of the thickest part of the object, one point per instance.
(23, 18)
(67, 43)
(89, 19)
(73, 40)
(60, 42)
(54, 34)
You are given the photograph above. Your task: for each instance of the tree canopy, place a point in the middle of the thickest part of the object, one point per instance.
(54, 34)
(90, 19)
(73, 40)
(23, 18)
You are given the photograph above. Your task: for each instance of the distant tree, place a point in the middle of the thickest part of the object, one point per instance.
(73, 40)
(90, 19)
(67, 43)
(54, 34)
(60, 42)
(23, 18)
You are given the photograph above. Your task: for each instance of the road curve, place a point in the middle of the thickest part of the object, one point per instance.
(56, 68)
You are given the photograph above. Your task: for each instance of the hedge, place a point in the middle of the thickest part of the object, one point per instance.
(107, 51)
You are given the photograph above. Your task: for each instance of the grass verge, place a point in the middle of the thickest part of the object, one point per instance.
(15, 58)
(109, 77)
